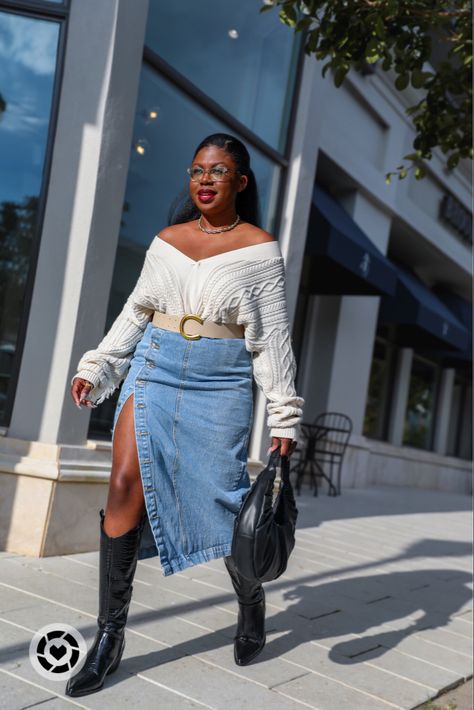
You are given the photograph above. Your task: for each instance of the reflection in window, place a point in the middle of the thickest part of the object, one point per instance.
(243, 59)
(377, 404)
(420, 406)
(168, 127)
(28, 49)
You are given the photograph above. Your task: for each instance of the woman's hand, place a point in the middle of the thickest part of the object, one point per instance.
(287, 446)
(79, 391)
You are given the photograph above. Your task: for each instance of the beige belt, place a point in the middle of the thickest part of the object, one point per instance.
(196, 326)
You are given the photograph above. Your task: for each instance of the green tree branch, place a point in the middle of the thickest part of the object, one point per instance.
(427, 44)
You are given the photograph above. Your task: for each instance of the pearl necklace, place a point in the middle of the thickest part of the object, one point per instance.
(219, 229)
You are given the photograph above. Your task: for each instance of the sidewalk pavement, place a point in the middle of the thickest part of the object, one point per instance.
(374, 612)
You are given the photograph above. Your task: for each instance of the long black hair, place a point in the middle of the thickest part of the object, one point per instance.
(183, 209)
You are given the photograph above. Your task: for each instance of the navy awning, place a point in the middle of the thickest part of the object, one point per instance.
(424, 321)
(343, 260)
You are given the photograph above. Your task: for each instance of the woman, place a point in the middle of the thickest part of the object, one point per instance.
(207, 314)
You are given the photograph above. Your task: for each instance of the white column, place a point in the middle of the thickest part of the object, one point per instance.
(400, 396)
(83, 212)
(444, 409)
(337, 363)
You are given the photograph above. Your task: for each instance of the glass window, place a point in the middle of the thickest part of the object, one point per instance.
(378, 392)
(32, 3)
(420, 406)
(460, 420)
(243, 59)
(28, 48)
(55, 2)
(168, 127)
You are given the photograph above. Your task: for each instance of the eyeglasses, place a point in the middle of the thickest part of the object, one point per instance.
(219, 173)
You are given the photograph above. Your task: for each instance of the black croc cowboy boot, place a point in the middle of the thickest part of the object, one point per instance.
(117, 565)
(250, 635)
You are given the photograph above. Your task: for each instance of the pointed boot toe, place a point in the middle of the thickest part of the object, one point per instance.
(102, 659)
(250, 637)
(247, 648)
(84, 683)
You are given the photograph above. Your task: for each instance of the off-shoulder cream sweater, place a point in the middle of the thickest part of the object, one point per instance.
(244, 286)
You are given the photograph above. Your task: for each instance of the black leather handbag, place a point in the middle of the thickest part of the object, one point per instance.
(264, 530)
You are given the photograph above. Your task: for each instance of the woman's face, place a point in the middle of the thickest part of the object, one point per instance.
(209, 194)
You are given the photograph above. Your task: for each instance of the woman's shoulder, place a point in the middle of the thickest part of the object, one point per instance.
(256, 235)
(172, 232)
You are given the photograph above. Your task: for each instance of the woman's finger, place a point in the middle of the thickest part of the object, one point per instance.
(286, 446)
(80, 390)
(85, 392)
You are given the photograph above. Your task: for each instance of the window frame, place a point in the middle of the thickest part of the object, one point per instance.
(434, 365)
(50, 10)
(40, 10)
(385, 335)
(464, 382)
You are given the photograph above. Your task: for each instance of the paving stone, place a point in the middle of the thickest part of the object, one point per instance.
(17, 695)
(374, 681)
(124, 686)
(448, 640)
(322, 693)
(443, 657)
(206, 682)
(346, 623)
(409, 667)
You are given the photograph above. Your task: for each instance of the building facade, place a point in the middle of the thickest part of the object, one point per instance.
(101, 108)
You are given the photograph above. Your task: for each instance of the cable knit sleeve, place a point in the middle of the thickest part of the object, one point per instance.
(268, 337)
(106, 366)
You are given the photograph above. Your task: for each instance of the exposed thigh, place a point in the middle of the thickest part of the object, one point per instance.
(125, 460)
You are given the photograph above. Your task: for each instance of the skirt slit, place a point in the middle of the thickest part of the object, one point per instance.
(193, 413)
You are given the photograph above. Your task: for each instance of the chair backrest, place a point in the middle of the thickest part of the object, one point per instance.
(339, 429)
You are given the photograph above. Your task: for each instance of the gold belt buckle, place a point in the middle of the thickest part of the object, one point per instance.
(189, 316)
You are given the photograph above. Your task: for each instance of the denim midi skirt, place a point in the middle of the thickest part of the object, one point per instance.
(193, 414)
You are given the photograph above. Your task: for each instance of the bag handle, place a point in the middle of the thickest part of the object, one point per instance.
(276, 459)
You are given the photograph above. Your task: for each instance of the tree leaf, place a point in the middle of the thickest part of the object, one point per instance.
(339, 76)
(380, 27)
(453, 160)
(288, 14)
(401, 82)
(326, 67)
(417, 80)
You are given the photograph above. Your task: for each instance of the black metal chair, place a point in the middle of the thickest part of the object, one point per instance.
(324, 445)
